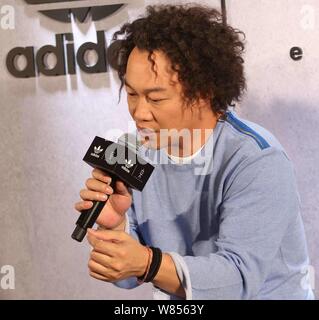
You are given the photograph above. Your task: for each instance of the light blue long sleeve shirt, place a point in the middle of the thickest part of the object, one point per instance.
(230, 219)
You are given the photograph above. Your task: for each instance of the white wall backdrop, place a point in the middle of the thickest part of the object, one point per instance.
(283, 94)
(47, 123)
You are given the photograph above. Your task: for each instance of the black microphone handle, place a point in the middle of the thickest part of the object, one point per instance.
(88, 217)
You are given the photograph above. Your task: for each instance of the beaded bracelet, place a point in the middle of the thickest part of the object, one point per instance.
(142, 278)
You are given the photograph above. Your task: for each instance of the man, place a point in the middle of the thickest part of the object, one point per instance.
(223, 210)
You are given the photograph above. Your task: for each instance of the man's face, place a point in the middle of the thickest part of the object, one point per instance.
(155, 102)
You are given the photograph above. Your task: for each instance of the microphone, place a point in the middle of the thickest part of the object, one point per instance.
(121, 162)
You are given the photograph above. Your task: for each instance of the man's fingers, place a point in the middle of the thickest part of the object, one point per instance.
(92, 195)
(96, 185)
(108, 235)
(104, 247)
(97, 268)
(91, 239)
(98, 276)
(83, 205)
(101, 175)
(101, 258)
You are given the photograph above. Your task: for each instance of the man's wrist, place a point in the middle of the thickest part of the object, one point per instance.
(167, 278)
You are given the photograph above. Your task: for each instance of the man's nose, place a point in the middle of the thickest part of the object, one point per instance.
(142, 111)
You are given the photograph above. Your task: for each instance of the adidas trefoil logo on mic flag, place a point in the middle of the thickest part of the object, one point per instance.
(98, 150)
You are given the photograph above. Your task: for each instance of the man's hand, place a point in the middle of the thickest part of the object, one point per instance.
(115, 255)
(98, 188)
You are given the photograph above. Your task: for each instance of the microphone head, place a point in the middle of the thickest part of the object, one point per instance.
(130, 141)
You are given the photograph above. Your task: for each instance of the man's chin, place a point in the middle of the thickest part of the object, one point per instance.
(151, 143)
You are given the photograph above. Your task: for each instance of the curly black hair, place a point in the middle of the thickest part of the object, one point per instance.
(205, 52)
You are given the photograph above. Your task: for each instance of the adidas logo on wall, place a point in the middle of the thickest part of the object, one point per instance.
(66, 57)
(63, 14)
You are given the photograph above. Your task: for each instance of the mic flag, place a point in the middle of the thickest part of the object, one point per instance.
(121, 162)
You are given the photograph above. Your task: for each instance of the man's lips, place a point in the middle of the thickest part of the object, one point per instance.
(145, 131)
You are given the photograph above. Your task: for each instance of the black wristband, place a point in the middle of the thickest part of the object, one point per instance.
(155, 264)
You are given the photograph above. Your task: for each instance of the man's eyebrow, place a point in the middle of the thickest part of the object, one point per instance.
(146, 91)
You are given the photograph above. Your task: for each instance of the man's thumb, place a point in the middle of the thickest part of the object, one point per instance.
(121, 188)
